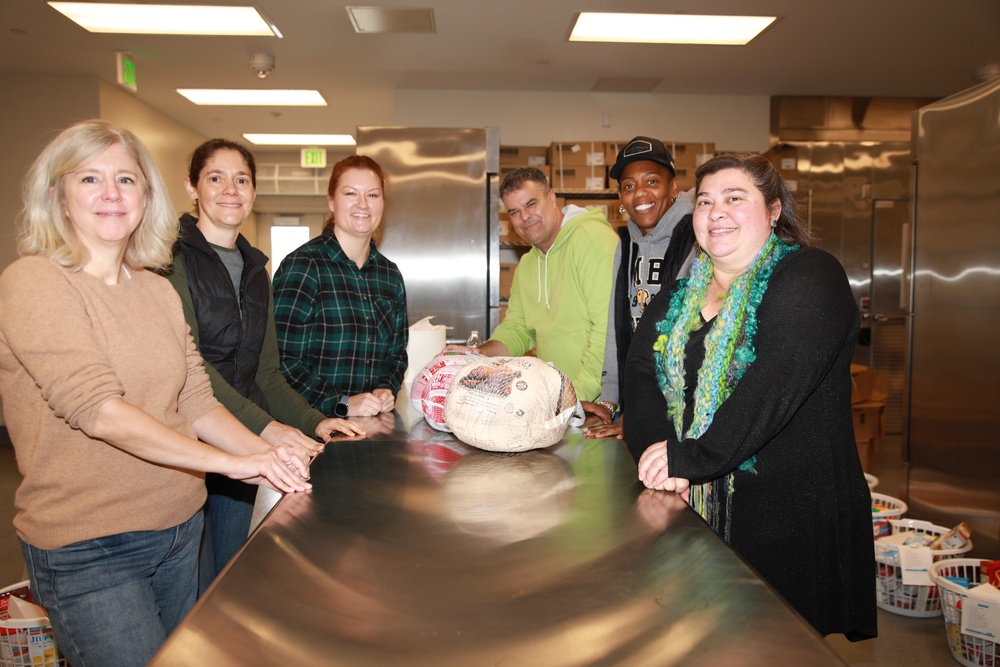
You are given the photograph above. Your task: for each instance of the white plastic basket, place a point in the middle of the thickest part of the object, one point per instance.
(965, 648)
(27, 642)
(908, 599)
(884, 509)
(871, 479)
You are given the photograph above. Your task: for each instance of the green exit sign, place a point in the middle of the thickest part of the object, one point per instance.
(126, 71)
(313, 157)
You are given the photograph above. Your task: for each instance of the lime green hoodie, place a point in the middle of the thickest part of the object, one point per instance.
(559, 300)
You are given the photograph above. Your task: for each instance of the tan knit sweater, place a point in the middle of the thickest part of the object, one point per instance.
(68, 343)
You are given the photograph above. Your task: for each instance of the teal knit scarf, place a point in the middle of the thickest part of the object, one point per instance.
(729, 351)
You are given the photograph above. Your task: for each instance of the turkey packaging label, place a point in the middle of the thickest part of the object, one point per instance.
(511, 404)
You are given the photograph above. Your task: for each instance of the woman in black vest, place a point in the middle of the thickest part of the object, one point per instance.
(226, 293)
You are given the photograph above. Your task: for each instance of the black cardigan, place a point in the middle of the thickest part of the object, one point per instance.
(803, 517)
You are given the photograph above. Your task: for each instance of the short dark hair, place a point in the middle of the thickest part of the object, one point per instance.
(516, 179)
(789, 226)
(204, 153)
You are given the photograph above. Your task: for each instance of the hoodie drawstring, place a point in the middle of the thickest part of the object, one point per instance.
(538, 271)
(546, 281)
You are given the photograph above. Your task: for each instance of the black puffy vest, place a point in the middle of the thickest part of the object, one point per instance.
(230, 344)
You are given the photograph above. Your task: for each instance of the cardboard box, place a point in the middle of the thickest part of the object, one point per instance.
(506, 279)
(611, 149)
(576, 154)
(785, 159)
(609, 207)
(523, 156)
(869, 386)
(685, 179)
(508, 236)
(869, 421)
(579, 178)
(690, 155)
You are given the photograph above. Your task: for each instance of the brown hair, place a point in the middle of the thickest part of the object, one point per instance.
(789, 226)
(204, 153)
(516, 179)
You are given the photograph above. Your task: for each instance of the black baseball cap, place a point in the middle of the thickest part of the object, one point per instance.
(642, 148)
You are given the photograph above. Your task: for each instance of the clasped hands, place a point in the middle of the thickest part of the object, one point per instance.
(654, 474)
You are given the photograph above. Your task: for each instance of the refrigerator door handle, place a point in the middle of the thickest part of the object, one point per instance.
(905, 275)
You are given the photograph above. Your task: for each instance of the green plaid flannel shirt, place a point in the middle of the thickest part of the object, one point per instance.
(342, 330)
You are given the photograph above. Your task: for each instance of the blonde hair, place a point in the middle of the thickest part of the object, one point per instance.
(46, 231)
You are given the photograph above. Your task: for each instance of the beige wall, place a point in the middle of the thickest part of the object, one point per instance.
(34, 108)
(732, 122)
(170, 142)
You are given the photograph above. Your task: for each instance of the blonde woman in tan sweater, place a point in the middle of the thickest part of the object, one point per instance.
(108, 404)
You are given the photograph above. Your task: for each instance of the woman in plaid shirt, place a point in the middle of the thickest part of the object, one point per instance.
(340, 305)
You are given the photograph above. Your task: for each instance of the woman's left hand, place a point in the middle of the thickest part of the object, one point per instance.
(653, 470)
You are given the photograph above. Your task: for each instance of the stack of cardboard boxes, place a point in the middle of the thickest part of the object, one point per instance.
(869, 393)
(578, 165)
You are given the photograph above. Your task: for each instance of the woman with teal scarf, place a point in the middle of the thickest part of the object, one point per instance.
(739, 381)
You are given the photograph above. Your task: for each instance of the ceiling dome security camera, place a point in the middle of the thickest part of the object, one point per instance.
(262, 64)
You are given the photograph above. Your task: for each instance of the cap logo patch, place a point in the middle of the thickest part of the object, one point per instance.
(637, 148)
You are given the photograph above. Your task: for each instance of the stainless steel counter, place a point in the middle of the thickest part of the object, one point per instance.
(414, 549)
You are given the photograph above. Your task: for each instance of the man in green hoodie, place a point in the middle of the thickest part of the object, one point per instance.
(559, 298)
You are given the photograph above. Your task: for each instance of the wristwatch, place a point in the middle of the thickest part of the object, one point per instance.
(340, 409)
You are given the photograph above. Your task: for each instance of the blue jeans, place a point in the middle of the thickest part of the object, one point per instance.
(227, 522)
(113, 600)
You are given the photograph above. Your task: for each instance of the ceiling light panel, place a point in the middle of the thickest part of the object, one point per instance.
(668, 28)
(167, 19)
(253, 97)
(626, 84)
(369, 20)
(300, 139)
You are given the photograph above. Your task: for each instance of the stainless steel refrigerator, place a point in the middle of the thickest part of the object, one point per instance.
(441, 223)
(952, 445)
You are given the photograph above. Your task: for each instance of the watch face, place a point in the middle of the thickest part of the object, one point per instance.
(340, 410)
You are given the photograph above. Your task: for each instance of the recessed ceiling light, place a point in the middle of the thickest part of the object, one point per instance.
(668, 28)
(167, 19)
(626, 84)
(253, 97)
(373, 20)
(300, 139)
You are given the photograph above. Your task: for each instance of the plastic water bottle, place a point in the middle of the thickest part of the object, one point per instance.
(473, 339)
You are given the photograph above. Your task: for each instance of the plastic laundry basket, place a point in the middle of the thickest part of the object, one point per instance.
(884, 509)
(968, 648)
(872, 480)
(26, 642)
(909, 599)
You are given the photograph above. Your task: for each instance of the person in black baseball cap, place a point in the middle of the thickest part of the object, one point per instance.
(655, 248)
(642, 148)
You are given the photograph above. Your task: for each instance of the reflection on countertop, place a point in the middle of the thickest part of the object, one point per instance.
(414, 549)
